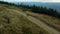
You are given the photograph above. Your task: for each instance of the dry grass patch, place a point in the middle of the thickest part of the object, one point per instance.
(15, 23)
(49, 20)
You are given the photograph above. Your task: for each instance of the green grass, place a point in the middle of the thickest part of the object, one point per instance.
(15, 23)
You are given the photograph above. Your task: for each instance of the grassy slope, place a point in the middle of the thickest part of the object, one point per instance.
(17, 23)
(49, 20)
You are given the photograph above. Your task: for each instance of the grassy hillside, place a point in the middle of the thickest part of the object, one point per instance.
(49, 20)
(11, 22)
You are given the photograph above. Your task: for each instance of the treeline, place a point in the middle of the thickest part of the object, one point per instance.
(47, 11)
(37, 9)
(2, 2)
(42, 10)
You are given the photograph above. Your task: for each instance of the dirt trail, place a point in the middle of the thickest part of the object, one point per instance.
(43, 25)
(38, 22)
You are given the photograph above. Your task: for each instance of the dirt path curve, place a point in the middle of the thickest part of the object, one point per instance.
(38, 22)
(43, 25)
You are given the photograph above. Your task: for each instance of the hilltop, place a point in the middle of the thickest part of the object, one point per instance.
(13, 22)
(20, 20)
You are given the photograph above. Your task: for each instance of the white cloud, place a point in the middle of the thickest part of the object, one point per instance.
(50, 0)
(32, 0)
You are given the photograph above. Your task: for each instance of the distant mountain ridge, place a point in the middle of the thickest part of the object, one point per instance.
(48, 5)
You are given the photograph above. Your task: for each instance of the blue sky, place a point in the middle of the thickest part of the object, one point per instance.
(32, 0)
